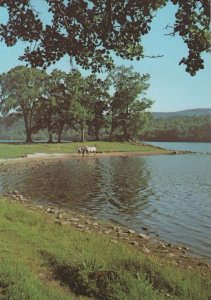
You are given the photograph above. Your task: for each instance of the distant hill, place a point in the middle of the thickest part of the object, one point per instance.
(183, 113)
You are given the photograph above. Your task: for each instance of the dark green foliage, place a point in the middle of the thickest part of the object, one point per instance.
(194, 129)
(128, 104)
(89, 30)
(21, 89)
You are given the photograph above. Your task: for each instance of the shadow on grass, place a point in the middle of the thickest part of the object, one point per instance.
(101, 284)
(3, 291)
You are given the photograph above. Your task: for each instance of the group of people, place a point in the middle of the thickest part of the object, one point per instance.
(87, 150)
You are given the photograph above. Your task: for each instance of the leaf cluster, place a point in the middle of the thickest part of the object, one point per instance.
(90, 31)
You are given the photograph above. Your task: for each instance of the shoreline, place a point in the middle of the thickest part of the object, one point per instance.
(46, 247)
(41, 157)
(176, 254)
(161, 247)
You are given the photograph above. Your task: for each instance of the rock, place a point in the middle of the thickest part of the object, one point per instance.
(49, 210)
(80, 226)
(114, 241)
(95, 224)
(87, 222)
(21, 197)
(202, 264)
(162, 245)
(15, 192)
(144, 236)
(144, 228)
(74, 219)
(66, 222)
(59, 216)
(58, 222)
(40, 206)
(186, 248)
(134, 243)
(171, 255)
(145, 250)
(130, 231)
(107, 231)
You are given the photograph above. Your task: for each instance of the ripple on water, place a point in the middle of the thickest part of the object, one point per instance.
(168, 194)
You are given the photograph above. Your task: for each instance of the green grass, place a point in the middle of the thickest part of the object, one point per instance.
(43, 260)
(18, 150)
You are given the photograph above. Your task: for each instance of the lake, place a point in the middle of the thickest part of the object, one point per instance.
(168, 194)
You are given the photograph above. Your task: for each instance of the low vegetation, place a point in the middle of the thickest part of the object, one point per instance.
(43, 260)
(18, 150)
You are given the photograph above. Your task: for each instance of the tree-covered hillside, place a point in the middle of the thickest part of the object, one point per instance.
(180, 128)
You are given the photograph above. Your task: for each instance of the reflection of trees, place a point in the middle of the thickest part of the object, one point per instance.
(65, 183)
(131, 178)
(122, 185)
(112, 187)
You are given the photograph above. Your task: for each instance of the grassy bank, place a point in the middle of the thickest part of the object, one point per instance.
(40, 259)
(18, 150)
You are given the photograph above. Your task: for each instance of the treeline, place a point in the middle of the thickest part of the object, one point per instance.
(184, 128)
(69, 104)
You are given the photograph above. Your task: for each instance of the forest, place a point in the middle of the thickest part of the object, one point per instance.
(179, 128)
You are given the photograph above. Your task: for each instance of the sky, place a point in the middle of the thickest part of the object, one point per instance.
(171, 87)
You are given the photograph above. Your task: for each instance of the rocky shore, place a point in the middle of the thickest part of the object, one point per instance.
(177, 255)
(143, 242)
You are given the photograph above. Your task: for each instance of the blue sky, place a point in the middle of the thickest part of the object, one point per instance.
(171, 87)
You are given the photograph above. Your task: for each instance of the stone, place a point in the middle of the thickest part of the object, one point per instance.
(40, 206)
(95, 224)
(58, 222)
(130, 231)
(74, 219)
(80, 226)
(134, 243)
(144, 228)
(49, 210)
(186, 248)
(114, 241)
(21, 197)
(15, 192)
(145, 250)
(59, 215)
(144, 236)
(171, 255)
(107, 231)
(162, 245)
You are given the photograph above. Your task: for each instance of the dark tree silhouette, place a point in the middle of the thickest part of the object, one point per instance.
(88, 30)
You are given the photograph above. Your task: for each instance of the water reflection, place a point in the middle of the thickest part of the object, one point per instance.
(168, 194)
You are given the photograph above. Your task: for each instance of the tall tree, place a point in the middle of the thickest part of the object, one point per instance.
(21, 89)
(89, 30)
(127, 109)
(99, 100)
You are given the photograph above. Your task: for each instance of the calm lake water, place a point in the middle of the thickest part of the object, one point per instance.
(170, 195)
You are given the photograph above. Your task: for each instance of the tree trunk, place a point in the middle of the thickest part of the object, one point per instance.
(126, 136)
(82, 132)
(59, 136)
(28, 130)
(50, 139)
(28, 136)
(97, 134)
